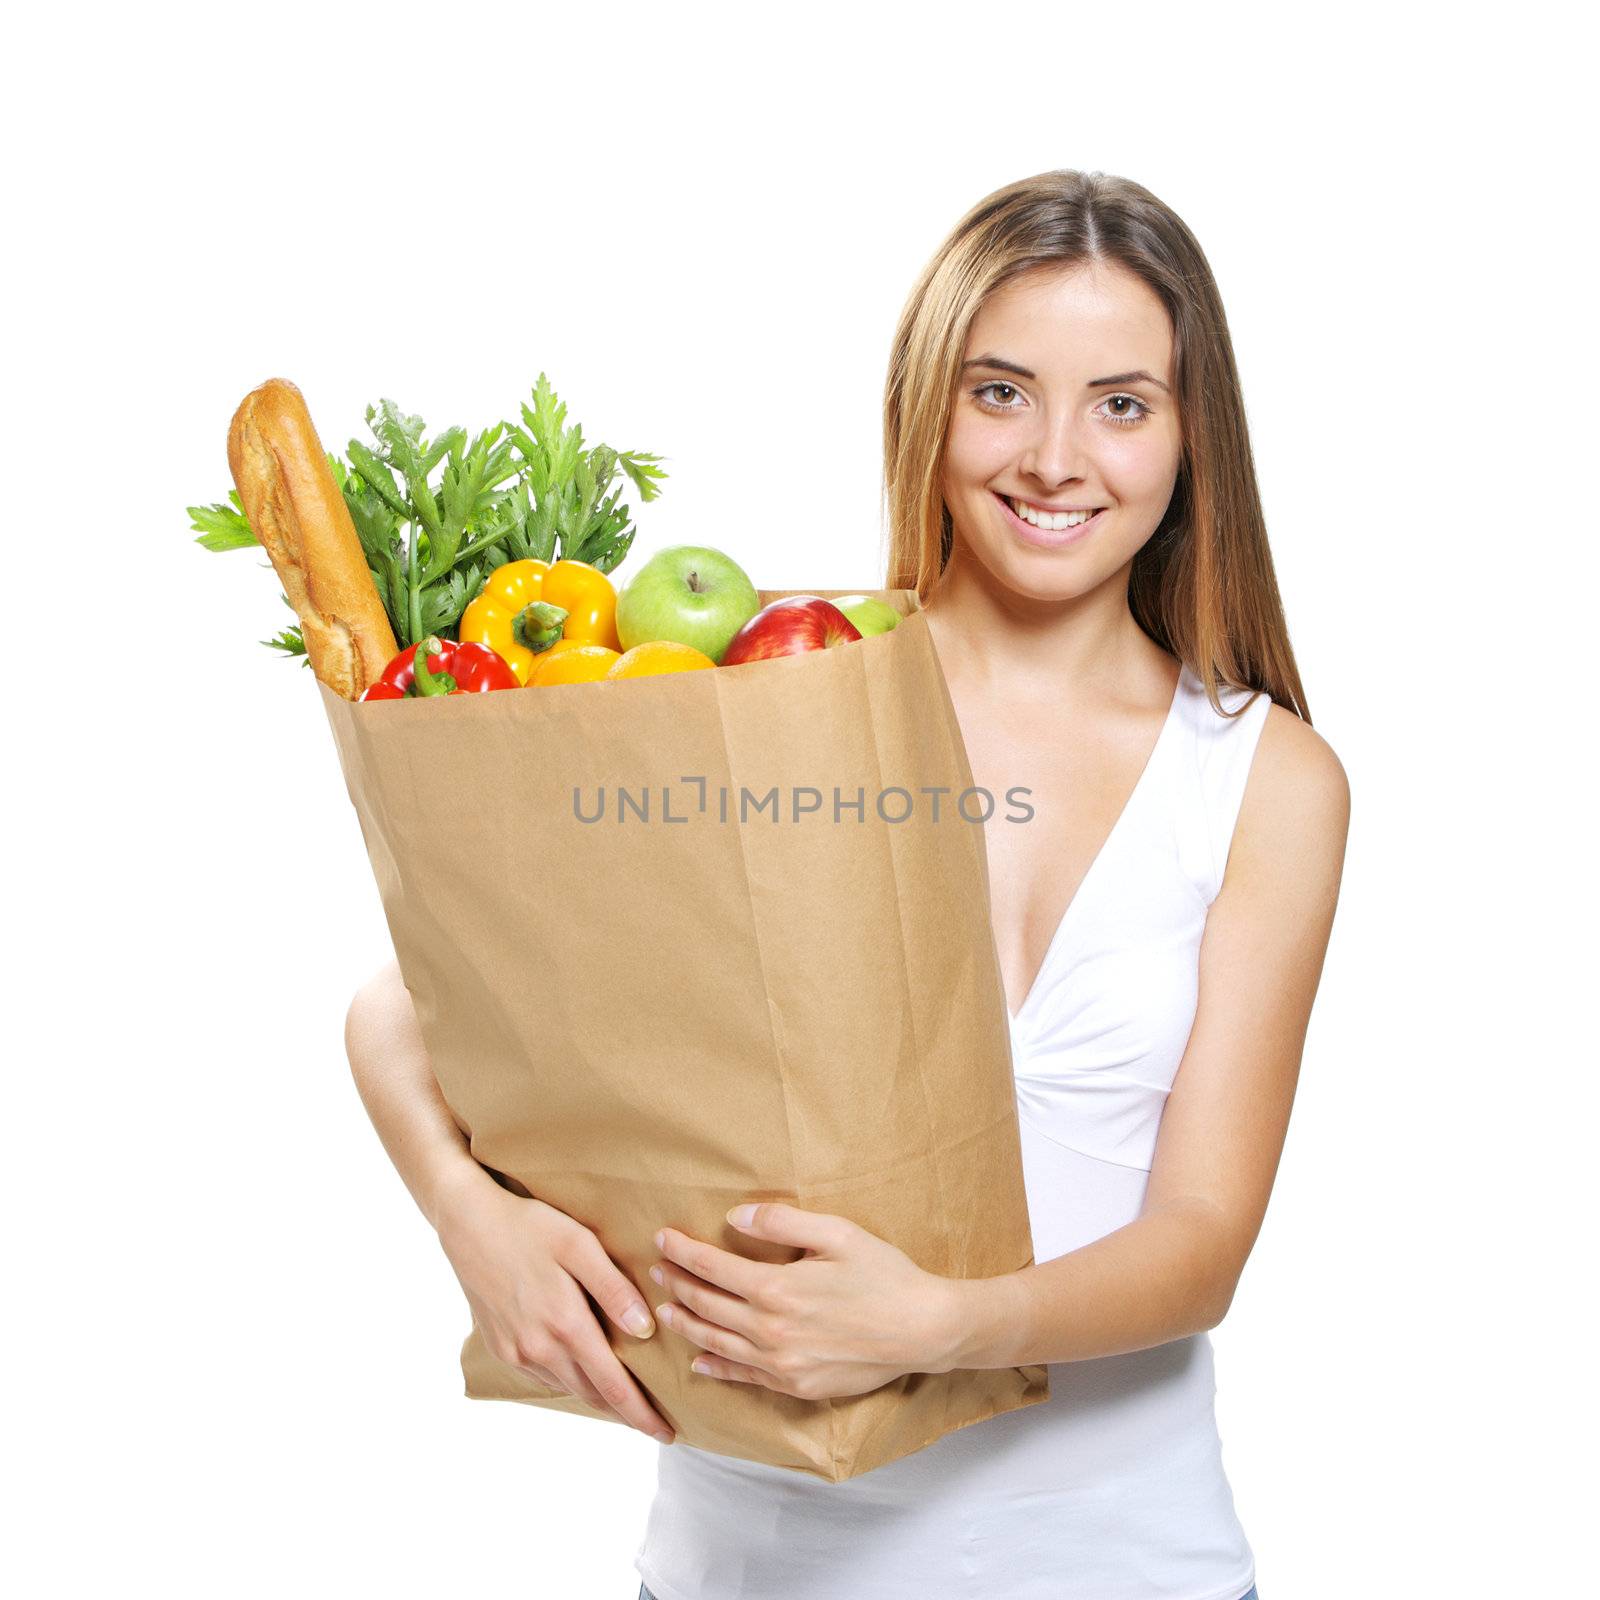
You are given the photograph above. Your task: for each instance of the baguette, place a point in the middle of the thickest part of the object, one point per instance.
(298, 513)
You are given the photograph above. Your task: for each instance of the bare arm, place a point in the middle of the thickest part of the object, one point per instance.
(395, 1080)
(1173, 1271)
(528, 1270)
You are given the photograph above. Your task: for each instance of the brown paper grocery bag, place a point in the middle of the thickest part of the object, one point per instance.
(714, 989)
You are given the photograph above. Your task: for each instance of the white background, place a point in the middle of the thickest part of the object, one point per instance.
(232, 1357)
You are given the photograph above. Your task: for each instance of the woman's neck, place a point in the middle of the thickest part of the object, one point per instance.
(993, 641)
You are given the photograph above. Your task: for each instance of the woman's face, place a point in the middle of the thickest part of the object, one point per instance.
(1063, 403)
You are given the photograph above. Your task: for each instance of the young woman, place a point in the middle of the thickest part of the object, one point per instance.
(1072, 497)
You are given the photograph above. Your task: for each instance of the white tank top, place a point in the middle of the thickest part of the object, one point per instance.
(1113, 1488)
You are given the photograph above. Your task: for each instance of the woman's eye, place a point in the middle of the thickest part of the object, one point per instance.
(987, 388)
(1126, 417)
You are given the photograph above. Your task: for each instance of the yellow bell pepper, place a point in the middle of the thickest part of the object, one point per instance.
(527, 608)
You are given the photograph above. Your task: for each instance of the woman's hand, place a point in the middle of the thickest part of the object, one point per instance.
(854, 1314)
(524, 1267)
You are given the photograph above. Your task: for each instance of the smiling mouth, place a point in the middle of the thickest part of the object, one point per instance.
(1053, 530)
(1051, 521)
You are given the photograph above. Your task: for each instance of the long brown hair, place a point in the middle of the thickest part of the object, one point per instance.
(1203, 585)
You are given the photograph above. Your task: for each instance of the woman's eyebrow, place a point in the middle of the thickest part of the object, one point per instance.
(999, 365)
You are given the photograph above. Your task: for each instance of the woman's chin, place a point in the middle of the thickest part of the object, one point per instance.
(1033, 577)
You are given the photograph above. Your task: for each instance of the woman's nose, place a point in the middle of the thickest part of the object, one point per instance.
(1058, 453)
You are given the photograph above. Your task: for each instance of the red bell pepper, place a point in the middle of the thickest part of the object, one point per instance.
(448, 667)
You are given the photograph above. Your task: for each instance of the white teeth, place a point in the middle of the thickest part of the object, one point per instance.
(1051, 521)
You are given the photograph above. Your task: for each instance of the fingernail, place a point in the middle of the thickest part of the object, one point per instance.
(637, 1320)
(665, 1438)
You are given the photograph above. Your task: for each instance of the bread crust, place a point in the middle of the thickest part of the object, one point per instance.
(298, 513)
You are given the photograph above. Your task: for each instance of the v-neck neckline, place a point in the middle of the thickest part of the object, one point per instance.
(1104, 850)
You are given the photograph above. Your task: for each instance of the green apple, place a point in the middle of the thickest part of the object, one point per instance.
(869, 614)
(688, 593)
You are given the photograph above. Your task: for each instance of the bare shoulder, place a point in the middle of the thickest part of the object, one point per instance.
(1294, 817)
(381, 1003)
(1296, 766)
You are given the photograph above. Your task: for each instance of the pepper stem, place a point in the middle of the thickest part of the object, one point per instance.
(426, 680)
(538, 625)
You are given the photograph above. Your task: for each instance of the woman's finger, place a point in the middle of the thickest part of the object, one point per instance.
(577, 1384)
(718, 1341)
(617, 1390)
(731, 1372)
(710, 1303)
(736, 1274)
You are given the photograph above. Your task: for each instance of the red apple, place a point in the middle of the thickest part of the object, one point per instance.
(786, 627)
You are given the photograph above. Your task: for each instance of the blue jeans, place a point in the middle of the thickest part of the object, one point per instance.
(644, 1594)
